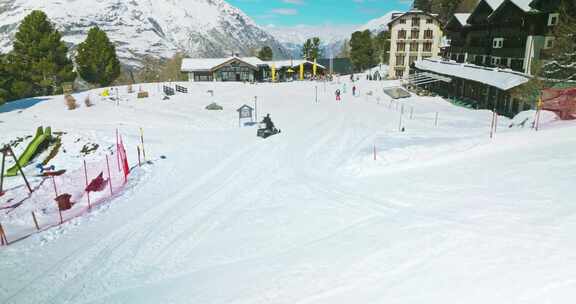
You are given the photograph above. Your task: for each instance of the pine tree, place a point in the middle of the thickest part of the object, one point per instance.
(344, 50)
(562, 64)
(362, 50)
(3, 81)
(266, 53)
(97, 60)
(382, 47)
(311, 49)
(39, 57)
(423, 5)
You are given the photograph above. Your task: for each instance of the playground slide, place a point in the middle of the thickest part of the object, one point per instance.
(42, 136)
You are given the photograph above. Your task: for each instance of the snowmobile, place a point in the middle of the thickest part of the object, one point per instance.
(266, 128)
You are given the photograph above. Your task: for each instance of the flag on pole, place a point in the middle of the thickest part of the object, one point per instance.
(301, 71)
(315, 67)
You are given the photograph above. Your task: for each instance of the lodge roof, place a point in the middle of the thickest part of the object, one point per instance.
(501, 79)
(210, 64)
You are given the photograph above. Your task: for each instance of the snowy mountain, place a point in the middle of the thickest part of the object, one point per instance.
(332, 36)
(378, 25)
(205, 28)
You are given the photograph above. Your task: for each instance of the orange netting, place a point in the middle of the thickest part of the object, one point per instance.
(562, 102)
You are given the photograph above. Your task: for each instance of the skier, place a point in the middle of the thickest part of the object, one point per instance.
(338, 95)
(354, 91)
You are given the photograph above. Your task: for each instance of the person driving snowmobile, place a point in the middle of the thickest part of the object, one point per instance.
(268, 121)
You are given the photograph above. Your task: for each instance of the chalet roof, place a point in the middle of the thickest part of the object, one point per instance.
(523, 5)
(207, 64)
(492, 4)
(412, 12)
(462, 18)
(501, 79)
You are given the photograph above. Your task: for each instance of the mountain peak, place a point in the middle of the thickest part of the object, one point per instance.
(203, 28)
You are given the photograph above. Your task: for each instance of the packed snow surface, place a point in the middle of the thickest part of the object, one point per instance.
(441, 215)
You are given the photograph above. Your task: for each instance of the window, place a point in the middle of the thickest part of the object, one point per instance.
(402, 21)
(415, 34)
(401, 34)
(553, 19)
(428, 34)
(426, 57)
(498, 43)
(549, 43)
(427, 47)
(399, 73)
(415, 21)
(496, 61)
(414, 47)
(400, 60)
(401, 46)
(412, 59)
(429, 21)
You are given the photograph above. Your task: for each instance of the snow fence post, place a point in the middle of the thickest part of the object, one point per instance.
(411, 113)
(492, 123)
(87, 192)
(374, 151)
(436, 120)
(110, 176)
(35, 221)
(142, 140)
(139, 162)
(3, 240)
(54, 183)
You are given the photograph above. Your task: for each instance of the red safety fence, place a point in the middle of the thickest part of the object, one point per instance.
(562, 102)
(58, 199)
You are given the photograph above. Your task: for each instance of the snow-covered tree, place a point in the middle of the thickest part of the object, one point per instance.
(562, 63)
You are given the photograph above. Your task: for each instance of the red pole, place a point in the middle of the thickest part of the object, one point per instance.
(109, 176)
(54, 183)
(87, 192)
(117, 149)
(36, 221)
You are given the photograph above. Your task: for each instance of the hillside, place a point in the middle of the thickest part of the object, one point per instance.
(204, 28)
(442, 214)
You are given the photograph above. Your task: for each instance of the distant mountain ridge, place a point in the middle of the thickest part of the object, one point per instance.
(199, 28)
(292, 38)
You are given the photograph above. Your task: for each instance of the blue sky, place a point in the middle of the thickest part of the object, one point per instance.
(317, 12)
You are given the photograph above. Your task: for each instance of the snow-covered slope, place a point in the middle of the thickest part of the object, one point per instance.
(443, 215)
(206, 28)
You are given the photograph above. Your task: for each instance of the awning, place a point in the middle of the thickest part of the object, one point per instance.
(501, 79)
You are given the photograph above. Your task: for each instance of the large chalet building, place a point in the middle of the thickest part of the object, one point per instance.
(414, 35)
(492, 50)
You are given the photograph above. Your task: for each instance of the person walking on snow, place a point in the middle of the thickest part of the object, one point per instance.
(354, 91)
(337, 95)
